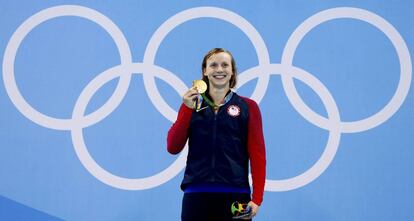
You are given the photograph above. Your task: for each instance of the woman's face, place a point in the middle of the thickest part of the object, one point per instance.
(219, 70)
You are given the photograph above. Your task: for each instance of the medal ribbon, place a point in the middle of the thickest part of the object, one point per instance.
(212, 104)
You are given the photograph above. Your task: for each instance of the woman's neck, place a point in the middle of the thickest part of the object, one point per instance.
(218, 94)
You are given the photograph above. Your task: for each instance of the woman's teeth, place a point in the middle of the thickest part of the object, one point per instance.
(219, 76)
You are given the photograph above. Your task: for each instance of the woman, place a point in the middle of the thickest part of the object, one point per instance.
(223, 135)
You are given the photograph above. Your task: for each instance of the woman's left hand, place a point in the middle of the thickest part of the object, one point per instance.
(255, 209)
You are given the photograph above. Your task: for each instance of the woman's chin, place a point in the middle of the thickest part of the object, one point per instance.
(219, 84)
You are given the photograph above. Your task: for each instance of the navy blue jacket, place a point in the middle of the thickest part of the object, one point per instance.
(218, 145)
(221, 145)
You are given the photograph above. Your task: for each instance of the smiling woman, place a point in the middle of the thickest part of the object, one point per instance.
(219, 64)
(89, 93)
(223, 138)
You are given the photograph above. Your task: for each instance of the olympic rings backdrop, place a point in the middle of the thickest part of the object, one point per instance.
(90, 89)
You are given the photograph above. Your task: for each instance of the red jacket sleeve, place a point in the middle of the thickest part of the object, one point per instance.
(257, 151)
(178, 133)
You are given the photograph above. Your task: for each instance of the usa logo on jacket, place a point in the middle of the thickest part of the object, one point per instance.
(233, 110)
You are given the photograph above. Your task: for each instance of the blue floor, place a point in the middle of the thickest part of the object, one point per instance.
(14, 211)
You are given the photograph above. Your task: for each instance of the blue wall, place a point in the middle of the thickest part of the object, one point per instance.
(90, 89)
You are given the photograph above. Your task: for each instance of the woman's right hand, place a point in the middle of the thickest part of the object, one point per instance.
(189, 97)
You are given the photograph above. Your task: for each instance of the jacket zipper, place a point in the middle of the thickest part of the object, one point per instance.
(213, 160)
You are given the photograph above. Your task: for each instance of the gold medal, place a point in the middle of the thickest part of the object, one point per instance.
(200, 85)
